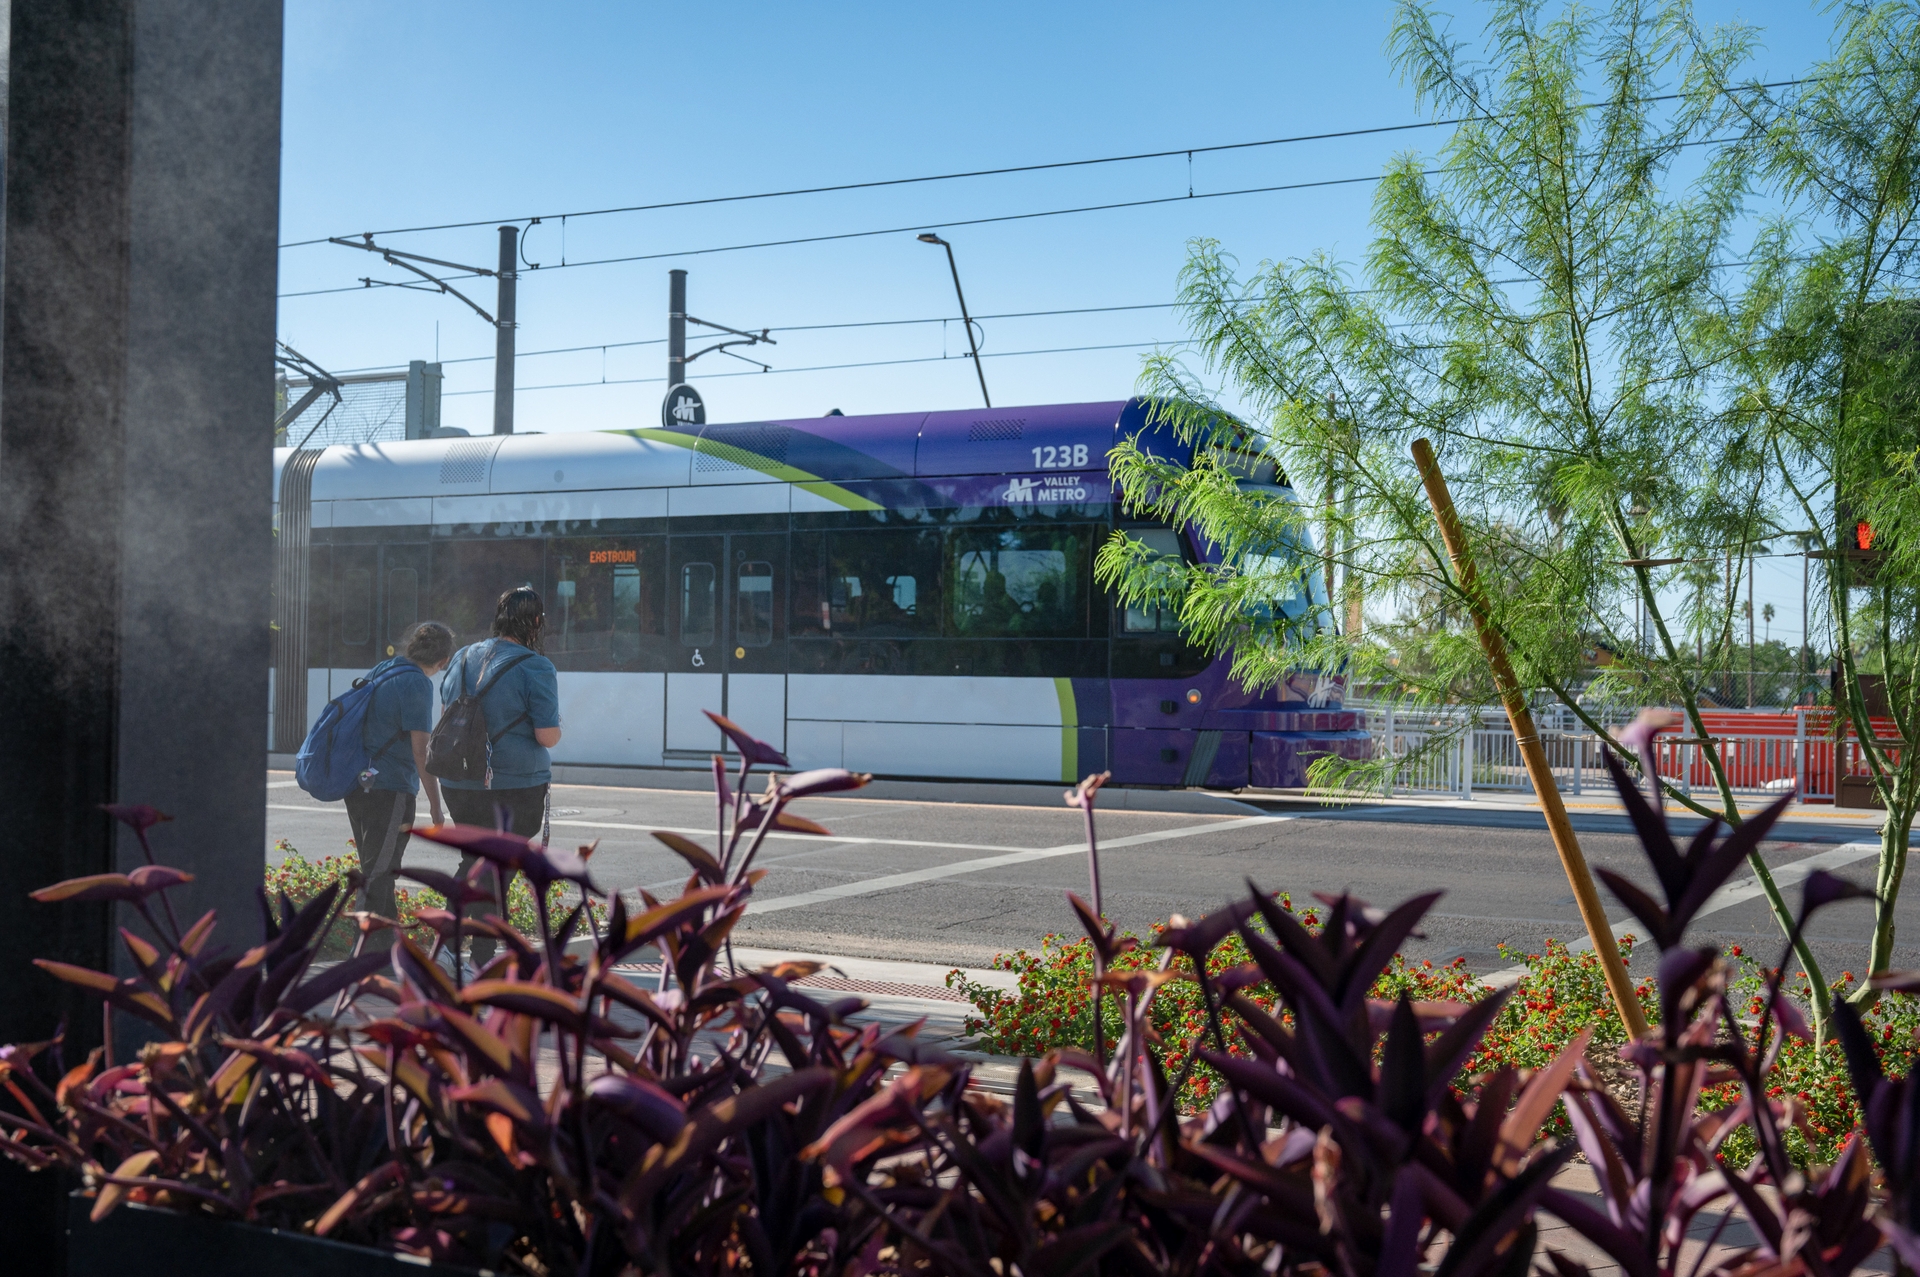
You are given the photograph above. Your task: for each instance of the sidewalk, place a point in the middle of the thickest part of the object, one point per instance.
(1591, 802)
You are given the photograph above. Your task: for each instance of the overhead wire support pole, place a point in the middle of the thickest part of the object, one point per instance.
(928, 237)
(676, 328)
(745, 339)
(503, 325)
(1527, 737)
(319, 382)
(677, 321)
(509, 276)
(394, 257)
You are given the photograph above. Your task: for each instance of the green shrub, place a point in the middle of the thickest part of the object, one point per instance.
(301, 880)
(1054, 1009)
(1562, 993)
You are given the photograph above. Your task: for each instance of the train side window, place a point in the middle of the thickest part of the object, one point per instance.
(1147, 618)
(623, 643)
(356, 606)
(606, 600)
(698, 615)
(469, 574)
(403, 602)
(753, 605)
(1023, 582)
(812, 615)
(880, 584)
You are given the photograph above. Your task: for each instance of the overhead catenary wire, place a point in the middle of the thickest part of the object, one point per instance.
(366, 283)
(604, 346)
(790, 328)
(1005, 170)
(871, 363)
(1188, 151)
(888, 230)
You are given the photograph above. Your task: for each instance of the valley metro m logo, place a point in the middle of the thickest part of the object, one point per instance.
(682, 407)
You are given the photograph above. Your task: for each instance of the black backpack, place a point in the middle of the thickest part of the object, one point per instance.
(460, 745)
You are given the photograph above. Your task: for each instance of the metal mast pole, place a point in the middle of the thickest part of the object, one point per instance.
(1749, 630)
(676, 328)
(1806, 639)
(503, 325)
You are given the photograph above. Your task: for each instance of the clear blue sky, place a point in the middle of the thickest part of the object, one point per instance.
(401, 114)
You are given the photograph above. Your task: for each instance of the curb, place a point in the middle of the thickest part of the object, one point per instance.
(983, 793)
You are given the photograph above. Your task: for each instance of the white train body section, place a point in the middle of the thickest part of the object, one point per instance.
(961, 727)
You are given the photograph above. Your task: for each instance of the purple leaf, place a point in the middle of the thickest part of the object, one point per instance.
(1640, 735)
(148, 879)
(1643, 906)
(754, 751)
(649, 1107)
(342, 974)
(541, 865)
(823, 780)
(1787, 1011)
(137, 816)
(93, 887)
(1823, 888)
(1197, 939)
(450, 887)
(1082, 795)
(1904, 1242)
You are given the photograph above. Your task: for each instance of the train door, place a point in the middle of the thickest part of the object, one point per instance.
(403, 583)
(358, 642)
(728, 602)
(756, 649)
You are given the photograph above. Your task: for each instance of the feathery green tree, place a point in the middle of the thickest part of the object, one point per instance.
(1558, 301)
(1833, 392)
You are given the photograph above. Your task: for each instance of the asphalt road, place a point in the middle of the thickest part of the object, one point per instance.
(956, 884)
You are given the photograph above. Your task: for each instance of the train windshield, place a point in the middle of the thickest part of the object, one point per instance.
(1289, 586)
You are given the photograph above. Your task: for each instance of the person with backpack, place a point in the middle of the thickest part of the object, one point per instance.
(381, 807)
(502, 715)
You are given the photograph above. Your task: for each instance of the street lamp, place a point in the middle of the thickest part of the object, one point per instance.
(928, 237)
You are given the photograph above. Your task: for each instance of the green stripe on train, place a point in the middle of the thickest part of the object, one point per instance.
(1069, 731)
(754, 461)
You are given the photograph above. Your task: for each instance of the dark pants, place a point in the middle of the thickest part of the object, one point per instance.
(380, 819)
(526, 812)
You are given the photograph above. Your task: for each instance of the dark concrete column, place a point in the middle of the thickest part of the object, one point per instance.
(136, 395)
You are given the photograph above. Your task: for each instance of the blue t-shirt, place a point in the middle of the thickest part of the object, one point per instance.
(526, 696)
(402, 704)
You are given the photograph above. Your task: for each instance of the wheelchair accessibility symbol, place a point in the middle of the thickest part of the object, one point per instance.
(698, 660)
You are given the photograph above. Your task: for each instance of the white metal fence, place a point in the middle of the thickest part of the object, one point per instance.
(1459, 752)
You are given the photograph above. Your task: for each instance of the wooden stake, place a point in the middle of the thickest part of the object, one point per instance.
(1527, 737)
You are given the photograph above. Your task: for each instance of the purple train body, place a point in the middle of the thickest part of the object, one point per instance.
(909, 594)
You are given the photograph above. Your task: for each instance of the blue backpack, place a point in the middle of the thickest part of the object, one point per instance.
(335, 754)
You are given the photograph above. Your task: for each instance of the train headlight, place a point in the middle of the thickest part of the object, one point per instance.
(1193, 696)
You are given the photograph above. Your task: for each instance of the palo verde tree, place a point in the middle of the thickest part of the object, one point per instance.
(1833, 392)
(1557, 301)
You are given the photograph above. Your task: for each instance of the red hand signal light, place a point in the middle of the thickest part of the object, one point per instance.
(1863, 535)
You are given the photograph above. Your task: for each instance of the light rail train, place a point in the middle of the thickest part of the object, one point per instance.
(911, 595)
